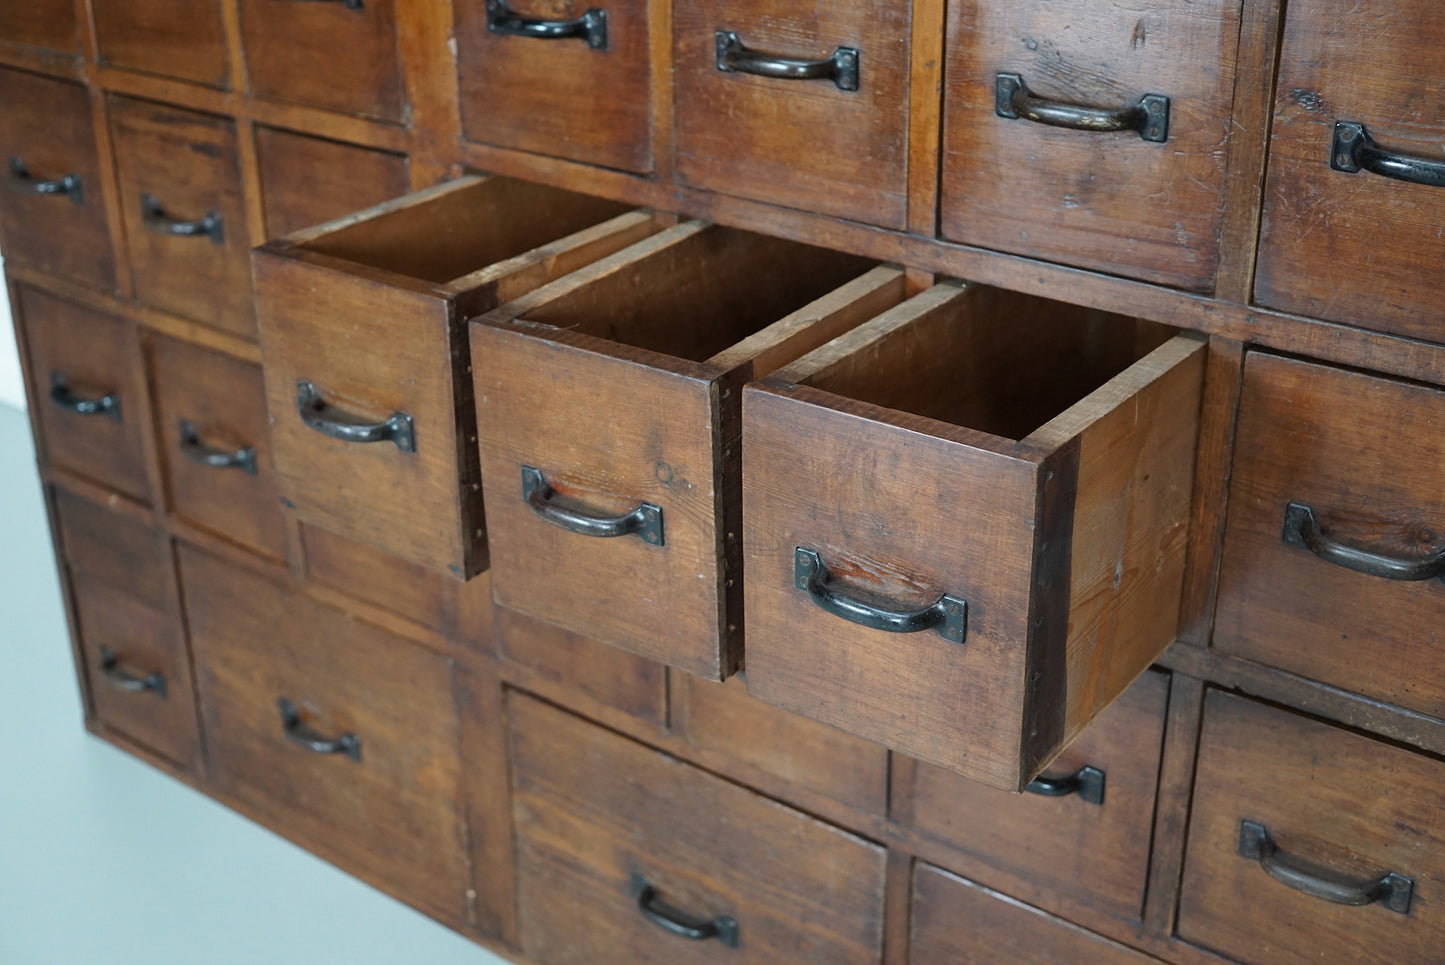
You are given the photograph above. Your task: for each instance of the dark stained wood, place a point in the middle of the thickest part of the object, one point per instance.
(592, 809)
(105, 545)
(1341, 805)
(309, 180)
(1171, 811)
(183, 39)
(482, 714)
(803, 144)
(379, 578)
(40, 23)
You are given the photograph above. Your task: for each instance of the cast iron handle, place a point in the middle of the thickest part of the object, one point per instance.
(204, 454)
(841, 68)
(1354, 150)
(1391, 890)
(591, 26)
(949, 615)
(644, 522)
(211, 225)
(1149, 118)
(61, 394)
(120, 679)
(309, 739)
(1302, 529)
(678, 923)
(1087, 782)
(330, 421)
(348, 4)
(22, 180)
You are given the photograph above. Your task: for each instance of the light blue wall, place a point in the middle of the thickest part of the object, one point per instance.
(12, 392)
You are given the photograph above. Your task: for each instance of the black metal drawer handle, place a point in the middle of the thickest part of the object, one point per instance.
(678, 923)
(331, 421)
(842, 68)
(304, 737)
(949, 615)
(154, 215)
(123, 680)
(644, 522)
(1302, 529)
(1087, 782)
(1149, 118)
(1355, 150)
(62, 395)
(1393, 891)
(204, 454)
(22, 180)
(591, 26)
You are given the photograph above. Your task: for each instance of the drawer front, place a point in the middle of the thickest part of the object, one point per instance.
(1323, 205)
(362, 760)
(185, 218)
(39, 23)
(106, 547)
(1360, 459)
(309, 180)
(375, 577)
(337, 55)
(215, 444)
(1114, 202)
(89, 391)
(174, 38)
(52, 218)
(836, 143)
(1082, 831)
(1287, 810)
(584, 96)
(956, 922)
(620, 848)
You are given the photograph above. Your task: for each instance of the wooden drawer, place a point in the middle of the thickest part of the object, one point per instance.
(39, 23)
(89, 392)
(834, 140)
(375, 577)
(1083, 830)
(621, 851)
(1351, 465)
(361, 762)
(185, 218)
(608, 406)
(1144, 202)
(569, 78)
(174, 38)
(1378, 238)
(1285, 809)
(52, 218)
(956, 922)
(366, 356)
(107, 547)
(341, 56)
(966, 522)
(215, 445)
(308, 180)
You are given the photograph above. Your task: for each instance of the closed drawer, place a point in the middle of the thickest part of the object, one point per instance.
(801, 104)
(39, 23)
(375, 577)
(966, 522)
(366, 357)
(569, 78)
(626, 855)
(340, 55)
(608, 405)
(341, 735)
(185, 218)
(102, 546)
(1291, 816)
(89, 390)
(1344, 111)
(309, 180)
(52, 218)
(956, 922)
(1335, 538)
(1082, 829)
(174, 38)
(215, 445)
(1142, 198)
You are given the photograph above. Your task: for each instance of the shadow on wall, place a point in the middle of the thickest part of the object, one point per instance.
(12, 391)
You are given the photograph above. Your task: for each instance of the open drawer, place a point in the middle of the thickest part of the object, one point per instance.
(965, 524)
(367, 369)
(609, 406)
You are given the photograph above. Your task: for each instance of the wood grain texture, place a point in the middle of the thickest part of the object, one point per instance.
(182, 39)
(105, 544)
(492, 896)
(307, 180)
(592, 809)
(1338, 803)
(40, 23)
(377, 577)
(803, 144)
(1171, 810)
